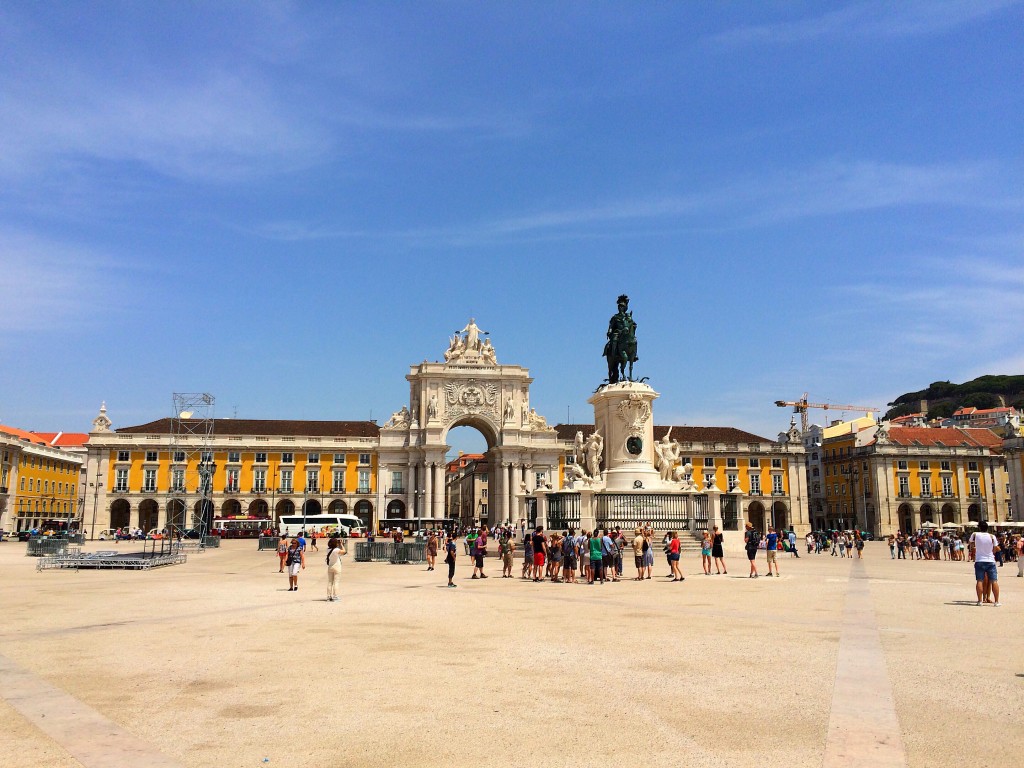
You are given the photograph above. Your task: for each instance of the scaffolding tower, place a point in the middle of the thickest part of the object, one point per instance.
(191, 468)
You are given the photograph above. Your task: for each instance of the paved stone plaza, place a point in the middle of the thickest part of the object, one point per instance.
(214, 663)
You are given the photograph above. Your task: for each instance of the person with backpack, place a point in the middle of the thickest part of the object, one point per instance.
(608, 552)
(335, 550)
(506, 546)
(569, 557)
(751, 539)
(296, 561)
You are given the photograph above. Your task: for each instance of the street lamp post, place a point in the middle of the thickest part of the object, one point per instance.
(855, 475)
(95, 500)
(420, 493)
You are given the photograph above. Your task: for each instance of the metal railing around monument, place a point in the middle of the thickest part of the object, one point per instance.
(563, 511)
(663, 510)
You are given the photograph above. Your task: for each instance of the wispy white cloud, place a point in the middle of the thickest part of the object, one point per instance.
(871, 19)
(47, 285)
(825, 189)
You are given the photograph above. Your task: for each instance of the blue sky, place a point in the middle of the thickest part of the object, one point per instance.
(288, 204)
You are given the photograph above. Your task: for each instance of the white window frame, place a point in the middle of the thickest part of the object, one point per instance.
(120, 481)
(286, 481)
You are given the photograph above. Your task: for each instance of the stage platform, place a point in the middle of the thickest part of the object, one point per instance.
(113, 560)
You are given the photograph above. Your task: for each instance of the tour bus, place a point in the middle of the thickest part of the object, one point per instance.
(238, 527)
(415, 526)
(347, 525)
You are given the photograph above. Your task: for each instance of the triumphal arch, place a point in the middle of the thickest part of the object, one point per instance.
(470, 388)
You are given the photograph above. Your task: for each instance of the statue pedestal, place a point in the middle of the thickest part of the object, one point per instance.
(623, 417)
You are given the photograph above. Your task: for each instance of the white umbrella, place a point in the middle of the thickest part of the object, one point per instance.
(950, 526)
(928, 524)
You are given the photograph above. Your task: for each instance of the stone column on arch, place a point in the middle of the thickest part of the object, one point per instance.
(437, 507)
(500, 492)
(513, 489)
(380, 502)
(428, 496)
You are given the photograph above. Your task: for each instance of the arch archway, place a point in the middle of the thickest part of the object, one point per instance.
(120, 513)
(231, 508)
(927, 513)
(364, 511)
(396, 508)
(974, 513)
(755, 515)
(259, 508)
(470, 465)
(948, 513)
(176, 513)
(202, 512)
(469, 389)
(337, 507)
(781, 514)
(284, 507)
(149, 515)
(311, 507)
(906, 517)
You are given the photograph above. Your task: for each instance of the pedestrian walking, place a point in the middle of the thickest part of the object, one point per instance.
(792, 543)
(540, 549)
(717, 550)
(985, 549)
(705, 553)
(431, 549)
(751, 538)
(282, 552)
(639, 548)
(771, 548)
(335, 550)
(296, 561)
(449, 558)
(506, 546)
(674, 551)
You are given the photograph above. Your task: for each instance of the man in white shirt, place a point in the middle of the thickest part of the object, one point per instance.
(985, 561)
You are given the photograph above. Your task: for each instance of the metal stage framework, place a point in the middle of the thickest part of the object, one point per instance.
(191, 466)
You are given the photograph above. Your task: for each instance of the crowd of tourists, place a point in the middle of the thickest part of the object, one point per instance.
(602, 555)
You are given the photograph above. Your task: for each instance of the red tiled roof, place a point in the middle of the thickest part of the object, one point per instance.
(22, 434)
(682, 434)
(977, 411)
(946, 436)
(268, 427)
(64, 439)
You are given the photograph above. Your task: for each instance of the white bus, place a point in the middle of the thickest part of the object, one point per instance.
(349, 525)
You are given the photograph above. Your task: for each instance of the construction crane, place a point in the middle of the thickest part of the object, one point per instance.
(801, 406)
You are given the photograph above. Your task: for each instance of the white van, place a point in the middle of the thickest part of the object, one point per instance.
(348, 525)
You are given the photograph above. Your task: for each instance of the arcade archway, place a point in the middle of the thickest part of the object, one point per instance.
(149, 515)
(120, 514)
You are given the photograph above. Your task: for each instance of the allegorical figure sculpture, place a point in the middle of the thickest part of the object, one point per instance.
(620, 349)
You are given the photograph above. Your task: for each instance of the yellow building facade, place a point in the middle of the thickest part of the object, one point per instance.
(39, 483)
(887, 478)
